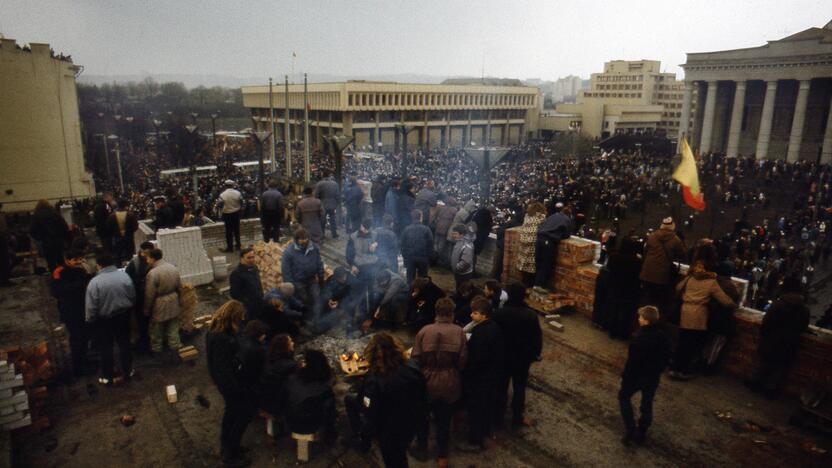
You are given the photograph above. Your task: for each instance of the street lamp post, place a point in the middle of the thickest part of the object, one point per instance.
(194, 115)
(214, 128)
(118, 163)
(260, 138)
(338, 143)
(192, 133)
(405, 131)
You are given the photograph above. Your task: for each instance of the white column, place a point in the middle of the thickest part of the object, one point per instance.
(826, 152)
(684, 123)
(796, 136)
(736, 121)
(764, 137)
(708, 119)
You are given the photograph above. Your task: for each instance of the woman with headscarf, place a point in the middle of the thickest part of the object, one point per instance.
(535, 214)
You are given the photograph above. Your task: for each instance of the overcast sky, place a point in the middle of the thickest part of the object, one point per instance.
(514, 38)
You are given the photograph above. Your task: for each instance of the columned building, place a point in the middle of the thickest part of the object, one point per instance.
(771, 101)
(375, 113)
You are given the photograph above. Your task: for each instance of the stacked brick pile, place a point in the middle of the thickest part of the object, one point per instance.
(575, 273)
(23, 375)
(183, 248)
(267, 257)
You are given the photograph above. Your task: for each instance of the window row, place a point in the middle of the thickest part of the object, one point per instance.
(436, 99)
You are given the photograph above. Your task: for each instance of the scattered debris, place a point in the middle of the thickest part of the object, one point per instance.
(812, 448)
(556, 325)
(170, 391)
(127, 420)
(188, 353)
(203, 402)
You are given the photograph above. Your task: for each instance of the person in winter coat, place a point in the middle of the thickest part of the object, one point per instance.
(271, 212)
(231, 201)
(406, 200)
(535, 214)
(251, 354)
(390, 298)
(390, 404)
(658, 272)
(378, 193)
(353, 196)
(137, 269)
(69, 283)
(51, 233)
(647, 358)
(273, 314)
(101, 213)
(426, 199)
(161, 302)
(696, 291)
(293, 308)
(550, 232)
(416, 241)
(280, 364)
(338, 301)
(328, 192)
(309, 213)
(391, 201)
(310, 401)
(109, 299)
(462, 298)
(463, 216)
(483, 218)
(523, 344)
(245, 285)
(483, 373)
(302, 266)
(123, 224)
(388, 244)
(422, 307)
(442, 221)
(623, 289)
(721, 321)
(462, 255)
(493, 291)
(780, 334)
(440, 352)
(221, 349)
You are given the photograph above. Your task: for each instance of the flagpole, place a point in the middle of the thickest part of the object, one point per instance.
(271, 121)
(287, 144)
(306, 175)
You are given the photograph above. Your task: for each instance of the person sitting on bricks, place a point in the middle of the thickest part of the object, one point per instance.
(292, 307)
(647, 358)
(338, 300)
(421, 309)
(310, 401)
(389, 299)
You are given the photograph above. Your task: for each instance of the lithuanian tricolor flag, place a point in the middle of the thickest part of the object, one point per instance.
(688, 178)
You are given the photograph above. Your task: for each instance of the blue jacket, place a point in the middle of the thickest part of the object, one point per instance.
(300, 266)
(111, 292)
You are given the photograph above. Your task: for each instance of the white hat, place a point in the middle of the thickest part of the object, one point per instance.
(229, 182)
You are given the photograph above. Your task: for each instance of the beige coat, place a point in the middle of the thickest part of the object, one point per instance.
(698, 291)
(161, 297)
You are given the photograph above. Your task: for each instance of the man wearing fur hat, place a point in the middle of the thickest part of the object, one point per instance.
(658, 274)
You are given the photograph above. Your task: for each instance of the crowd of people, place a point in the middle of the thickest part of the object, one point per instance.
(470, 344)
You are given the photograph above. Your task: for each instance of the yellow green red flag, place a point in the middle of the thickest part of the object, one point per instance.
(687, 176)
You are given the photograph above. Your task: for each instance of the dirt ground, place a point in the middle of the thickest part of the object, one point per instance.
(572, 396)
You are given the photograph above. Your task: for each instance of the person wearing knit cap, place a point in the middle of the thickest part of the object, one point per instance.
(658, 275)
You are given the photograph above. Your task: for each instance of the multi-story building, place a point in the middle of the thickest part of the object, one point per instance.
(376, 112)
(566, 88)
(771, 101)
(627, 97)
(41, 155)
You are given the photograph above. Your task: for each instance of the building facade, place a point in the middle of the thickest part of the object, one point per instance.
(41, 155)
(375, 113)
(627, 97)
(771, 101)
